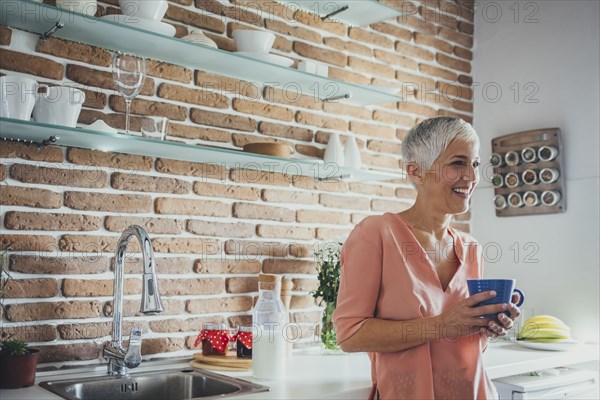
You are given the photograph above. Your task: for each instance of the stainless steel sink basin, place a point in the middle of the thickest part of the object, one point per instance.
(176, 384)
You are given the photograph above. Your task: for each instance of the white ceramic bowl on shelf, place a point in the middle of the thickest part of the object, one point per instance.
(253, 41)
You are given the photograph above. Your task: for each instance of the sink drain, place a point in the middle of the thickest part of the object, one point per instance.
(129, 387)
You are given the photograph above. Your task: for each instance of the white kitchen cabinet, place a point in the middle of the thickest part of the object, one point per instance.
(568, 383)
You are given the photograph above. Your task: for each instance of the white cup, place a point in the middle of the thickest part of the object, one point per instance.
(59, 105)
(253, 41)
(17, 96)
(144, 9)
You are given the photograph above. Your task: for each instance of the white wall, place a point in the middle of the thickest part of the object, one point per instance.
(559, 54)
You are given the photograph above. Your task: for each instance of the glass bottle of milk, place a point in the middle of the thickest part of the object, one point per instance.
(268, 322)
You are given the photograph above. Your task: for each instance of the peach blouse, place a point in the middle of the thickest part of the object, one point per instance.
(387, 274)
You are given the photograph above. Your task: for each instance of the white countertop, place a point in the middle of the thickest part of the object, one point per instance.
(347, 376)
(505, 358)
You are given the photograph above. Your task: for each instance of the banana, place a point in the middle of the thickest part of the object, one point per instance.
(546, 333)
(546, 321)
(544, 329)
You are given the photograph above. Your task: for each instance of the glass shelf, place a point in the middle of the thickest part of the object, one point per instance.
(26, 131)
(40, 18)
(353, 12)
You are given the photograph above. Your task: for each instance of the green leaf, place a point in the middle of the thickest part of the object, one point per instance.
(14, 347)
(328, 273)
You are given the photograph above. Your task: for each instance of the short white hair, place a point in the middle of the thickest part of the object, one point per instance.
(427, 140)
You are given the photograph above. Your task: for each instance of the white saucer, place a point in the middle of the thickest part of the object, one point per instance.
(101, 126)
(270, 58)
(161, 28)
(558, 346)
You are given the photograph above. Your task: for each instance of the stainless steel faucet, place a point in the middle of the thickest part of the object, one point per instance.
(119, 357)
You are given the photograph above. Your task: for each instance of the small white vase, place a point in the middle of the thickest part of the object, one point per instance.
(352, 154)
(334, 153)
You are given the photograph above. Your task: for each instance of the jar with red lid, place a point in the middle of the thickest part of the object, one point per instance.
(244, 342)
(215, 339)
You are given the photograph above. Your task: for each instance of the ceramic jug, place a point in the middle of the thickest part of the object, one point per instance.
(334, 153)
(17, 96)
(59, 105)
(352, 154)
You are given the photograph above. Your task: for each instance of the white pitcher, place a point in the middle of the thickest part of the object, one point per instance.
(17, 96)
(334, 152)
(352, 153)
(59, 105)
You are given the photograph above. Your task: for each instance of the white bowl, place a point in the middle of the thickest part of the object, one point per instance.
(252, 41)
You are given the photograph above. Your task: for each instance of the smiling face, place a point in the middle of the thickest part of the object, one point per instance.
(449, 183)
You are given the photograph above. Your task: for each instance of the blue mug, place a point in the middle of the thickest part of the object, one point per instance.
(504, 289)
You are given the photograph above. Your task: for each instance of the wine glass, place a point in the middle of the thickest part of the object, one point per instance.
(129, 74)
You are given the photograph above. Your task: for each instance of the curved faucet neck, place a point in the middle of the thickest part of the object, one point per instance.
(151, 303)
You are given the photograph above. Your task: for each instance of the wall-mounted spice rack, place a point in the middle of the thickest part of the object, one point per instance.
(529, 176)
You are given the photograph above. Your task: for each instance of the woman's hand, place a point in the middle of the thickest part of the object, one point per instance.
(507, 321)
(464, 317)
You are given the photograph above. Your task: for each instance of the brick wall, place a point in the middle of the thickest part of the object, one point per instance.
(213, 229)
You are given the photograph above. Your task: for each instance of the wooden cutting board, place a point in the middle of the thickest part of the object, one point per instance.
(221, 363)
(210, 367)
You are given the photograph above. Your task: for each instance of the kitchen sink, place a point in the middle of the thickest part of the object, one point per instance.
(178, 384)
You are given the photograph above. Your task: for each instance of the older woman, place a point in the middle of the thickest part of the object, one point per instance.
(403, 295)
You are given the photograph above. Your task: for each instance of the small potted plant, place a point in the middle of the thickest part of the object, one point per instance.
(18, 362)
(328, 259)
